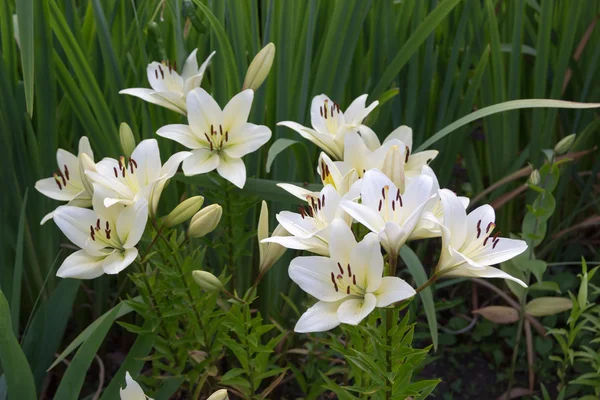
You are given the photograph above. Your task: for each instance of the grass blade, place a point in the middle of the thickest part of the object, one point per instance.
(26, 37)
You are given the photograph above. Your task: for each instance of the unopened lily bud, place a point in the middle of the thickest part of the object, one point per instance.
(184, 211)
(564, 145)
(86, 164)
(219, 395)
(259, 68)
(207, 281)
(127, 139)
(534, 178)
(205, 221)
(269, 252)
(393, 166)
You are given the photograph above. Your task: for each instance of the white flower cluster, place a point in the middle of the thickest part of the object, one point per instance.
(396, 196)
(123, 194)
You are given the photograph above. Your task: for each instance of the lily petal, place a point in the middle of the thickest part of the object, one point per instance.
(147, 157)
(392, 290)
(313, 244)
(118, 261)
(190, 67)
(455, 218)
(236, 112)
(200, 161)
(49, 188)
(75, 223)
(365, 215)
(503, 250)
(486, 272)
(319, 318)
(353, 311)
(182, 134)
(313, 275)
(232, 169)
(194, 81)
(203, 112)
(81, 265)
(342, 242)
(245, 139)
(402, 133)
(150, 96)
(132, 223)
(323, 141)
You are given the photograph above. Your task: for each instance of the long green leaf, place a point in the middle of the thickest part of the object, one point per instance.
(418, 272)
(412, 45)
(506, 106)
(116, 312)
(15, 304)
(26, 38)
(19, 379)
(72, 381)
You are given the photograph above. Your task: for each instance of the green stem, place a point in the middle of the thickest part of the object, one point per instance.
(389, 323)
(230, 244)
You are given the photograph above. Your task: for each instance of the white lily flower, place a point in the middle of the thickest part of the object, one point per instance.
(413, 161)
(468, 249)
(68, 183)
(433, 214)
(330, 124)
(142, 176)
(348, 284)
(107, 236)
(386, 211)
(361, 158)
(310, 228)
(169, 89)
(330, 175)
(218, 138)
(132, 390)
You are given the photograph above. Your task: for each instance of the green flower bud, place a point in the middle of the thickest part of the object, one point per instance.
(259, 68)
(205, 221)
(86, 164)
(184, 211)
(564, 145)
(219, 395)
(207, 281)
(534, 178)
(127, 139)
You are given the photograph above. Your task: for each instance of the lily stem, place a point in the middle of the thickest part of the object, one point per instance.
(389, 323)
(230, 245)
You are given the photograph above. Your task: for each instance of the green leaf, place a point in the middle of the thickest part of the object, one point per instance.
(114, 313)
(26, 38)
(280, 145)
(19, 379)
(544, 306)
(411, 45)
(418, 272)
(546, 286)
(496, 108)
(15, 303)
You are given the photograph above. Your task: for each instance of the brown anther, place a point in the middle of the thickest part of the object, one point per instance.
(64, 181)
(318, 203)
(98, 224)
(323, 201)
(131, 166)
(66, 172)
(156, 74)
(354, 279)
(107, 232)
(400, 200)
(495, 242)
(380, 204)
(162, 74)
(107, 225)
(349, 270)
(221, 129)
(123, 172)
(393, 205)
(132, 161)
(383, 192)
(496, 235)
(327, 170)
(301, 210)
(92, 233)
(485, 241)
(226, 136)
(115, 170)
(212, 130)
(407, 151)
(338, 107)
(321, 110)
(348, 290)
(334, 282)
(57, 181)
(478, 229)
(340, 267)
(487, 230)
(332, 110)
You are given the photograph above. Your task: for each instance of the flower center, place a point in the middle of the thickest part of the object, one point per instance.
(127, 173)
(326, 177)
(345, 280)
(483, 239)
(331, 114)
(104, 235)
(314, 210)
(172, 66)
(388, 206)
(62, 179)
(217, 139)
